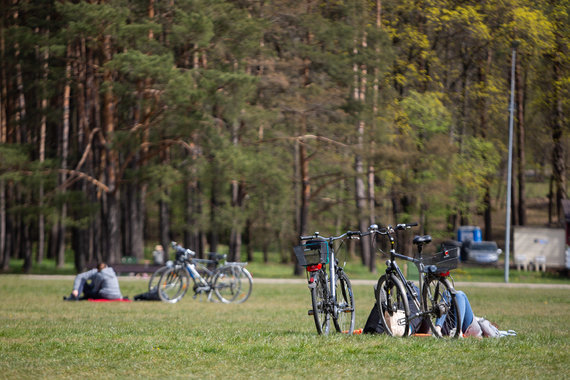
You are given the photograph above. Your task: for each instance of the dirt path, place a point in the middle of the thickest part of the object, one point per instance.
(458, 284)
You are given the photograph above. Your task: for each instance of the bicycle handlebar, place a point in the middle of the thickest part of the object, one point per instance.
(348, 234)
(389, 229)
(180, 249)
(404, 226)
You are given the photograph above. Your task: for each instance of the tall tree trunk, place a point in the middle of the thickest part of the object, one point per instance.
(81, 238)
(191, 232)
(60, 250)
(360, 191)
(249, 239)
(42, 150)
(305, 185)
(487, 213)
(213, 210)
(112, 163)
(138, 191)
(135, 246)
(3, 221)
(483, 125)
(520, 87)
(164, 222)
(558, 151)
(551, 195)
(22, 134)
(235, 235)
(305, 180)
(9, 225)
(3, 140)
(26, 244)
(305, 190)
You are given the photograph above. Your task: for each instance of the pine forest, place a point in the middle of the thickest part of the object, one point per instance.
(246, 123)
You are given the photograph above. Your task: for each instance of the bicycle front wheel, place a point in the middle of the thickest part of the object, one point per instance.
(232, 283)
(319, 299)
(155, 279)
(393, 306)
(441, 307)
(343, 318)
(173, 284)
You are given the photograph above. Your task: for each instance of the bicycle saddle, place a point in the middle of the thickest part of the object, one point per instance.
(422, 239)
(216, 256)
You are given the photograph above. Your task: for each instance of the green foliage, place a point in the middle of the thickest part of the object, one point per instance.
(427, 115)
(474, 170)
(136, 65)
(207, 94)
(190, 25)
(12, 159)
(92, 20)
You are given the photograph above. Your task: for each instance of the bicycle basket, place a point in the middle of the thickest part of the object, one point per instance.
(313, 252)
(443, 261)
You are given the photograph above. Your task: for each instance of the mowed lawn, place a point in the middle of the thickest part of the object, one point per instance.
(269, 336)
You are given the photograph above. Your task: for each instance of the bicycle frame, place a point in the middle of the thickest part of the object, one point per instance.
(195, 275)
(326, 298)
(201, 284)
(392, 267)
(331, 279)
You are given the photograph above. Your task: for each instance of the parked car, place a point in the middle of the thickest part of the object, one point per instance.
(481, 252)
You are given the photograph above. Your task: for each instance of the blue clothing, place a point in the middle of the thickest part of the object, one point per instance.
(465, 311)
(103, 284)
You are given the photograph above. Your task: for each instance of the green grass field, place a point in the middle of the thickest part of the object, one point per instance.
(269, 336)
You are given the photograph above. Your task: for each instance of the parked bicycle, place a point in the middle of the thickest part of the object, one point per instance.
(436, 306)
(231, 282)
(331, 293)
(205, 267)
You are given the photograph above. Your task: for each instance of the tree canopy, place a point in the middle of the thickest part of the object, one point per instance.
(248, 123)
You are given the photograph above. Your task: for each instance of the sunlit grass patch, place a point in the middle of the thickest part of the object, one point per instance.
(269, 336)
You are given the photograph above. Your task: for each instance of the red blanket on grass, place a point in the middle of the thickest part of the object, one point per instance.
(105, 300)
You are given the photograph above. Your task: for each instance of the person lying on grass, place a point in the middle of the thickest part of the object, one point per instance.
(98, 283)
(470, 324)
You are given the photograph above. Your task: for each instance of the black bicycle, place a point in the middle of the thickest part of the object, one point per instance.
(331, 292)
(436, 306)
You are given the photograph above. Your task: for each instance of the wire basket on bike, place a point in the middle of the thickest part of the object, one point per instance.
(441, 262)
(313, 252)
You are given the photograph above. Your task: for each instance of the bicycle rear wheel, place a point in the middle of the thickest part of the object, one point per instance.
(173, 284)
(393, 306)
(344, 317)
(232, 283)
(439, 300)
(319, 297)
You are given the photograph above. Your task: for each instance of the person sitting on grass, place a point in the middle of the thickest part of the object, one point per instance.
(98, 283)
(470, 324)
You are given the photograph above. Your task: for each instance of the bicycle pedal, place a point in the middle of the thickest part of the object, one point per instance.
(310, 312)
(312, 285)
